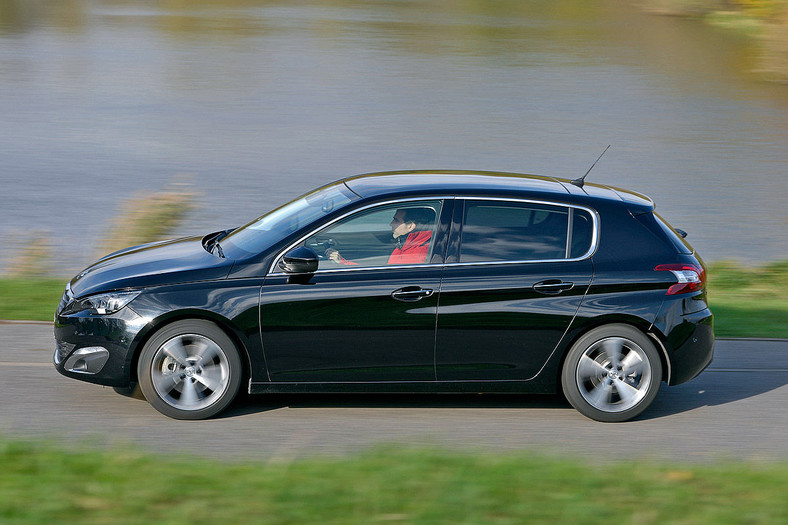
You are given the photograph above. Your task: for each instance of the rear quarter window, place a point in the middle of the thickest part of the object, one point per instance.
(582, 233)
(666, 232)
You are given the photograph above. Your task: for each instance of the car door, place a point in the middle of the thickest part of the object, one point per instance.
(364, 315)
(515, 276)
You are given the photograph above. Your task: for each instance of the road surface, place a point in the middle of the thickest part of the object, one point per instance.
(738, 408)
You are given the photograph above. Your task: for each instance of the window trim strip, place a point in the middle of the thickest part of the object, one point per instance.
(569, 227)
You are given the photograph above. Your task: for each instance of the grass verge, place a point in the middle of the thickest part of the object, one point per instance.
(30, 299)
(747, 302)
(42, 484)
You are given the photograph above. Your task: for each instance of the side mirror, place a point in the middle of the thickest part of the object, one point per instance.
(299, 261)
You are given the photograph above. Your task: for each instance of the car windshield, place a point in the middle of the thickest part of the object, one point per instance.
(272, 227)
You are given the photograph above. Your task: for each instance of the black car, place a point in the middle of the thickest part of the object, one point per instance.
(440, 281)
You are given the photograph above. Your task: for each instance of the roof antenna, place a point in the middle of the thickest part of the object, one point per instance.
(579, 182)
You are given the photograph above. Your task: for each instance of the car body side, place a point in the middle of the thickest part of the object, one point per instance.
(623, 287)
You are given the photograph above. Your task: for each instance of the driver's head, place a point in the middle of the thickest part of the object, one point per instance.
(407, 220)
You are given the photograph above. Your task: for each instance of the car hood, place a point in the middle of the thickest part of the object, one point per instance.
(154, 264)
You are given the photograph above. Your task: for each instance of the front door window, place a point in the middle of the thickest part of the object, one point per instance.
(392, 234)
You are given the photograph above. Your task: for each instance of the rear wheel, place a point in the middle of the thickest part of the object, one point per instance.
(612, 373)
(190, 370)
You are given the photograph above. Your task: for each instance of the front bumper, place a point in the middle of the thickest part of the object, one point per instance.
(98, 348)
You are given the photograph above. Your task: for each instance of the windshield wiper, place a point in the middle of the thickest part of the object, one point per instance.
(218, 249)
(211, 241)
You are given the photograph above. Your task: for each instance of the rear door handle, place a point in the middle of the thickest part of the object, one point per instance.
(411, 294)
(552, 286)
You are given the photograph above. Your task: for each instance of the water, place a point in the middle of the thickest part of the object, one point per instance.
(256, 102)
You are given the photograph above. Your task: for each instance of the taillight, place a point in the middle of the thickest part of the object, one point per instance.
(691, 278)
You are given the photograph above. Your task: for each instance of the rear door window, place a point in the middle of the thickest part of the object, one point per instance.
(497, 231)
(513, 231)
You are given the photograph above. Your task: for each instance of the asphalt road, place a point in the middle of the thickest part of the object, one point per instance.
(738, 408)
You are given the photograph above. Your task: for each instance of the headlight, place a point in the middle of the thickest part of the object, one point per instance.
(100, 304)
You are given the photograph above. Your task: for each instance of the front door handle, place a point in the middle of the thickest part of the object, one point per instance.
(552, 286)
(411, 294)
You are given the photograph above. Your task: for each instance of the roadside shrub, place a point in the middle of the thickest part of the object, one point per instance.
(32, 259)
(149, 217)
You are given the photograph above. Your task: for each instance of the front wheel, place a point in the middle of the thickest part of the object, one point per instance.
(190, 370)
(612, 373)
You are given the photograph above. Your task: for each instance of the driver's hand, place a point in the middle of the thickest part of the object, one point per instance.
(333, 254)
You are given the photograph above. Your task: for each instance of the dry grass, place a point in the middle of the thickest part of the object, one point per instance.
(32, 256)
(149, 217)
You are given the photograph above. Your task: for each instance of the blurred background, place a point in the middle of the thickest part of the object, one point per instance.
(239, 105)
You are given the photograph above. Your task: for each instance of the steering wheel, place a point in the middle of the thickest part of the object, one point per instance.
(321, 246)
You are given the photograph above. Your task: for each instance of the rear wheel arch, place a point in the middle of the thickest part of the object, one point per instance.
(635, 322)
(667, 369)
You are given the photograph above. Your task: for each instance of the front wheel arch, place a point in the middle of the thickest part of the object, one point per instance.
(163, 321)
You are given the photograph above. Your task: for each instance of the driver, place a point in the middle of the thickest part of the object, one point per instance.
(412, 230)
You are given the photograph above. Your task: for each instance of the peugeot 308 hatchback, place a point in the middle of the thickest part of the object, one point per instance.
(403, 282)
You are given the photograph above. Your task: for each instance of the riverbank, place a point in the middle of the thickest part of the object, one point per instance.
(746, 301)
(764, 21)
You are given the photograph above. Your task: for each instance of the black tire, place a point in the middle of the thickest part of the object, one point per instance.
(190, 370)
(612, 373)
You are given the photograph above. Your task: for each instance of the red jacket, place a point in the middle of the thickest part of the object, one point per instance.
(414, 250)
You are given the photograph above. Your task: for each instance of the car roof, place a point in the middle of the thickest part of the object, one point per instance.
(483, 183)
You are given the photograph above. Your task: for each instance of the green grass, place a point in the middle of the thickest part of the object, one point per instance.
(749, 301)
(43, 484)
(746, 301)
(30, 299)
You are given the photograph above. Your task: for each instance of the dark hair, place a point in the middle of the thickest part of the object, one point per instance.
(423, 218)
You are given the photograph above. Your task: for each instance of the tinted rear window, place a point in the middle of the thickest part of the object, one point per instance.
(513, 231)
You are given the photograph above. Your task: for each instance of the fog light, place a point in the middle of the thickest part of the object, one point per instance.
(88, 360)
